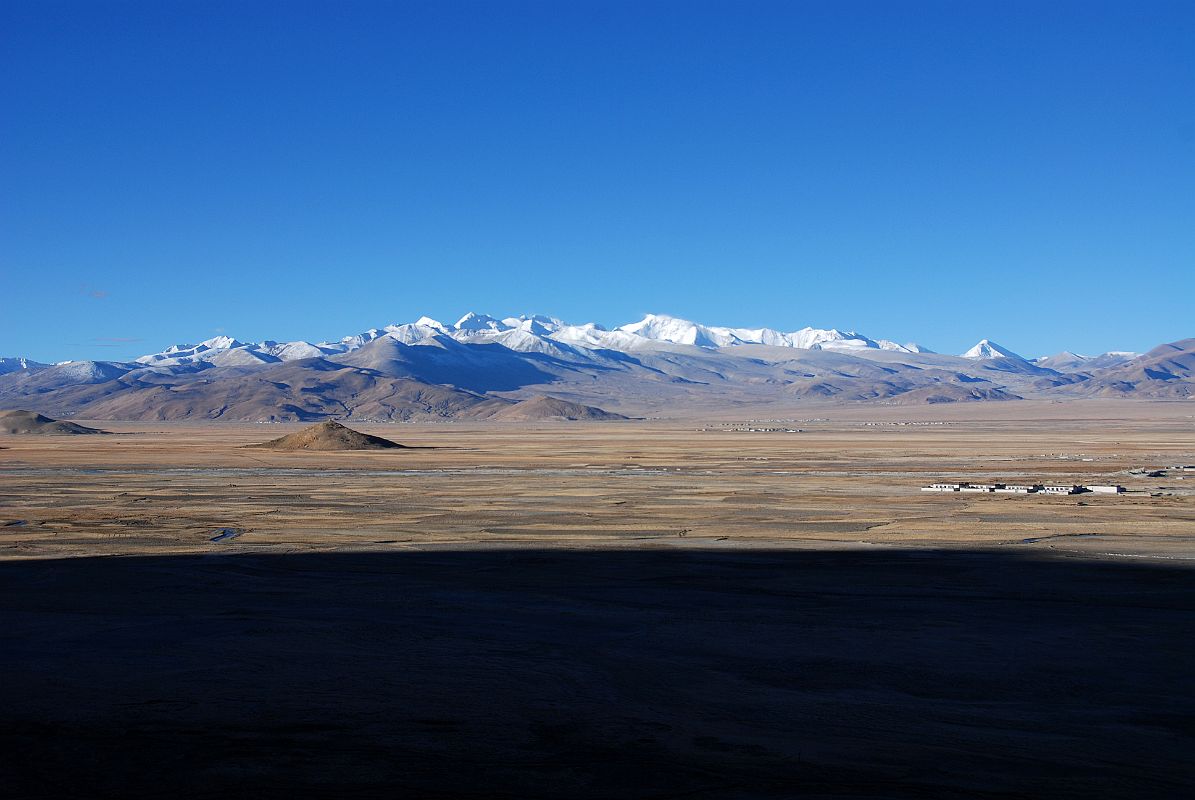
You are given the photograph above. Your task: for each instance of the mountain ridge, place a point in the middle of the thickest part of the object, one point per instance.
(479, 366)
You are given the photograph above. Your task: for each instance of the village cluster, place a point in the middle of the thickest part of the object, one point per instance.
(1008, 488)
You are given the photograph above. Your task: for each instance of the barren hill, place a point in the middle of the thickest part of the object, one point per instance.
(329, 436)
(31, 422)
(542, 407)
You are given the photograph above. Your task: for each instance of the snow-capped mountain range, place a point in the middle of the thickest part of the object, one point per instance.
(549, 335)
(480, 365)
(533, 334)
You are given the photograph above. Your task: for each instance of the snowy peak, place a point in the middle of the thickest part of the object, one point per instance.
(534, 322)
(832, 339)
(664, 328)
(480, 322)
(986, 348)
(409, 332)
(661, 327)
(428, 322)
(226, 351)
(220, 343)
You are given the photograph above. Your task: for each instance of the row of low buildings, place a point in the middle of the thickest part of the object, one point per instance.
(1010, 488)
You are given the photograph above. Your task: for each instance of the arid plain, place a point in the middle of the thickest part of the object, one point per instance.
(847, 478)
(708, 607)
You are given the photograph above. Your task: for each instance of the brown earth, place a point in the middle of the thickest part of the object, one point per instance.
(619, 610)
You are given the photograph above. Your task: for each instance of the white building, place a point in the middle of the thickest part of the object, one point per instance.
(1013, 488)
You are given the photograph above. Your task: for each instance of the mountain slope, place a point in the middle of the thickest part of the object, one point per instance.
(295, 391)
(1067, 361)
(1167, 371)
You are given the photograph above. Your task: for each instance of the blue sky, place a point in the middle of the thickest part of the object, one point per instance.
(937, 172)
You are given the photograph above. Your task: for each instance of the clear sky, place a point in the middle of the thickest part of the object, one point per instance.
(928, 171)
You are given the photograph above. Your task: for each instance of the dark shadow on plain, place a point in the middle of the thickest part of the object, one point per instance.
(591, 674)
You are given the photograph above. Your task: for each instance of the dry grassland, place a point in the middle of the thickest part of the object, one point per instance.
(638, 610)
(843, 481)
